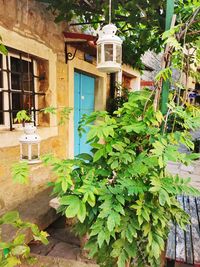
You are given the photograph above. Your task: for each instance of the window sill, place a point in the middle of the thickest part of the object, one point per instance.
(11, 138)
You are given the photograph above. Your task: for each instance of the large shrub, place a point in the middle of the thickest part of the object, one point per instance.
(122, 195)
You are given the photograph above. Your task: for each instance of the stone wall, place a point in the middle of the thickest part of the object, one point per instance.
(33, 21)
(153, 61)
(32, 29)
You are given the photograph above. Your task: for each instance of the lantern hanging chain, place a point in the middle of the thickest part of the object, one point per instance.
(110, 10)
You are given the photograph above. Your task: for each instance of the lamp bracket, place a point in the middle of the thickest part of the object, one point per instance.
(69, 55)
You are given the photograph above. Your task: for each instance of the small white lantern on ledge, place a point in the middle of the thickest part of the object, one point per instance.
(30, 145)
(109, 50)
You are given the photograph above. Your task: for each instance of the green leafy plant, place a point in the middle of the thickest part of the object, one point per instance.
(121, 195)
(20, 173)
(22, 117)
(3, 49)
(15, 252)
(140, 23)
(62, 112)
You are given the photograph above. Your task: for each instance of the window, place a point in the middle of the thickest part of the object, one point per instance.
(1, 87)
(22, 85)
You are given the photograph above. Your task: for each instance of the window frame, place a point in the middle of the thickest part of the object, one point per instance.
(7, 90)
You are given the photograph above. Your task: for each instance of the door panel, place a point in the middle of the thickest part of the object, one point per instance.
(83, 104)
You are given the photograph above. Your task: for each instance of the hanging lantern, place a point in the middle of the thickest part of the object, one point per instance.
(109, 50)
(30, 145)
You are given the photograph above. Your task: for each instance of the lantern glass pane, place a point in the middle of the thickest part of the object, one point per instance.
(99, 54)
(118, 54)
(108, 48)
(34, 151)
(24, 151)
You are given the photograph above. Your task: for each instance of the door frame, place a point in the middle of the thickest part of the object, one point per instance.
(100, 94)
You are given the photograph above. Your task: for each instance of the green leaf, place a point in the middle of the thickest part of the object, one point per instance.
(3, 49)
(11, 262)
(131, 249)
(114, 165)
(42, 236)
(163, 197)
(101, 238)
(111, 223)
(20, 173)
(64, 185)
(91, 199)
(137, 127)
(113, 220)
(121, 262)
(5, 246)
(10, 217)
(22, 116)
(73, 203)
(20, 250)
(85, 156)
(98, 155)
(81, 212)
(20, 239)
(49, 110)
(155, 249)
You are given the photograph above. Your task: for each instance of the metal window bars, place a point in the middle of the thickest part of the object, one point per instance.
(31, 93)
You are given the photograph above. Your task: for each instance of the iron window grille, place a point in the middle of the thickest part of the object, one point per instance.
(18, 90)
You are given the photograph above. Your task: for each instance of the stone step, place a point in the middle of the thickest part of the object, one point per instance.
(35, 210)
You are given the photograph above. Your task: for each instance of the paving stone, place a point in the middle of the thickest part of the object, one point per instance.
(40, 249)
(173, 167)
(64, 235)
(65, 250)
(59, 223)
(189, 169)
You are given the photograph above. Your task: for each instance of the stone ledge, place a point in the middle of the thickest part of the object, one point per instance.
(35, 210)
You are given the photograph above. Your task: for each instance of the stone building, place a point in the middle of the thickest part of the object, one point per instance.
(36, 74)
(152, 66)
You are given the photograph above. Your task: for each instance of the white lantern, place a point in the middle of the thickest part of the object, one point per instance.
(109, 50)
(30, 145)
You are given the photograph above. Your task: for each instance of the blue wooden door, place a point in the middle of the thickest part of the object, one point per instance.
(83, 104)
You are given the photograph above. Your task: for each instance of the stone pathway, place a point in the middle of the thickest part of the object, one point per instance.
(192, 171)
(62, 243)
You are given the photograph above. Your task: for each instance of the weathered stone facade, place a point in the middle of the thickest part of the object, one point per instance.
(32, 20)
(30, 28)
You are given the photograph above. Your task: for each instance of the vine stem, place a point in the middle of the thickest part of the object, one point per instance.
(128, 263)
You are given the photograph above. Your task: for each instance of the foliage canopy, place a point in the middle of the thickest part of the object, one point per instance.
(140, 23)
